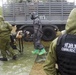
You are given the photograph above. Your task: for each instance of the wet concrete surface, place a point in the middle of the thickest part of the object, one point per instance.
(22, 66)
(25, 62)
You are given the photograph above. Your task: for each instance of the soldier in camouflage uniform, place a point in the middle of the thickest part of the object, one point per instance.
(39, 48)
(5, 31)
(62, 50)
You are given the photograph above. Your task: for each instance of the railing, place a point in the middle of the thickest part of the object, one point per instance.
(49, 10)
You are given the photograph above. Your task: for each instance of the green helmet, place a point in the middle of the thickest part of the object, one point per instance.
(1, 18)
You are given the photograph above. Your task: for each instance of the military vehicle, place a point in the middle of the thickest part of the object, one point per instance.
(53, 15)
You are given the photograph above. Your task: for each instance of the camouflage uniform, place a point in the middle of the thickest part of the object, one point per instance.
(5, 31)
(37, 35)
(39, 48)
(51, 60)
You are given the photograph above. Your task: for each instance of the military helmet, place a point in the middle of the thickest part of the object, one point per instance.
(1, 18)
(34, 15)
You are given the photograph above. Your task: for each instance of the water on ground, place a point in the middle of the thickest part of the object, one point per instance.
(25, 61)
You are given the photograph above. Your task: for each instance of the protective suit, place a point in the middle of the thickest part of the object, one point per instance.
(51, 60)
(5, 31)
(39, 49)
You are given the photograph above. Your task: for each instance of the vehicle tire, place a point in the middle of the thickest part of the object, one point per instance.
(31, 30)
(48, 34)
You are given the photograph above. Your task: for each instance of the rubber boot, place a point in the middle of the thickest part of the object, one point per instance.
(43, 51)
(36, 51)
(3, 59)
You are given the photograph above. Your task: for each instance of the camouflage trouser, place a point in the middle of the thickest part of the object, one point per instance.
(5, 46)
(37, 38)
(37, 43)
(13, 41)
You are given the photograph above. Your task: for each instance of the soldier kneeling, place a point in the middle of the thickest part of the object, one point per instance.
(17, 36)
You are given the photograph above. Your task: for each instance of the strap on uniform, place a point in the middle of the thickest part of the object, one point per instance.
(60, 42)
(62, 37)
(21, 45)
